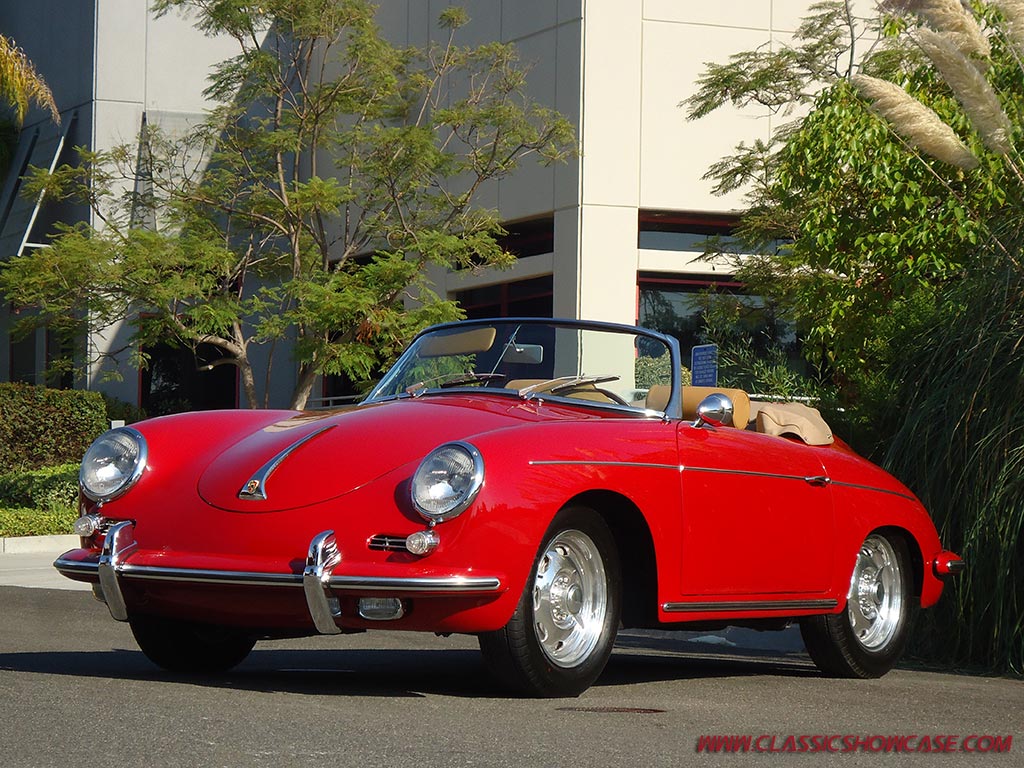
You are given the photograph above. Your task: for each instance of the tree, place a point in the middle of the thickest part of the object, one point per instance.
(306, 209)
(887, 221)
(843, 220)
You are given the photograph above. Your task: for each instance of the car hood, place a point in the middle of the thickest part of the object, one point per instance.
(320, 457)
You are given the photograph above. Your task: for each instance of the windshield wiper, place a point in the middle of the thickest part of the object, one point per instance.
(451, 380)
(554, 386)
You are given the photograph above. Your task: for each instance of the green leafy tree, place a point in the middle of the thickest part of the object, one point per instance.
(337, 167)
(842, 219)
(887, 222)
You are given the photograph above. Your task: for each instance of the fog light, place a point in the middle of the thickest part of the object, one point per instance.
(422, 542)
(381, 608)
(87, 525)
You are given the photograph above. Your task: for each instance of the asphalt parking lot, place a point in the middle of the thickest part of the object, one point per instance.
(75, 689)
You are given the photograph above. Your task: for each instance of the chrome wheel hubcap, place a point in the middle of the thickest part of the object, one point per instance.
(875, 601)
(570, 598)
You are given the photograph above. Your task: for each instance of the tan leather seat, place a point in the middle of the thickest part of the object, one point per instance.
(657, 397)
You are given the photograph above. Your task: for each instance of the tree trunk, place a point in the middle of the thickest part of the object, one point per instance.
(304, 387)
(248, 382)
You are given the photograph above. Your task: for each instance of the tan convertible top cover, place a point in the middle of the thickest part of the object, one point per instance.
(793, 419)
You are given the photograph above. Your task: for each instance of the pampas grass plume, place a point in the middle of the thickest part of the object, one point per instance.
(951, 18)
(914, 121)
(1013, 13)
(971, 89)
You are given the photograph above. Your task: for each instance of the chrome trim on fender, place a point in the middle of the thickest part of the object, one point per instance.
(751, 605)
(576, 463)
(859, 487)
(255, 488)
(118, 544)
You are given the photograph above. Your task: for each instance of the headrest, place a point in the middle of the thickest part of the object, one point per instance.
(692, 397)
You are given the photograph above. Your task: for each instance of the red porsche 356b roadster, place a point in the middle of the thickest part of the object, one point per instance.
(537, 483)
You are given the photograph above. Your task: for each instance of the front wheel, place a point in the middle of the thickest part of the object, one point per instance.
(868, 638)
(562, 632)
(188, 648)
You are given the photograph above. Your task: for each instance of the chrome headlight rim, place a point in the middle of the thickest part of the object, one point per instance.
(476, 482)
(141, 462)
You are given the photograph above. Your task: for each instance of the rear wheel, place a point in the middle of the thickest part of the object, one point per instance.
(562, 632)
(185, 647)
(868, 638)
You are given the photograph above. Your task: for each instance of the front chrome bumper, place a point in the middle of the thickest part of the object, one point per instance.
(318, 580)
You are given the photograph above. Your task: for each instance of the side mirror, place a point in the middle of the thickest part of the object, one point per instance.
(714, 410)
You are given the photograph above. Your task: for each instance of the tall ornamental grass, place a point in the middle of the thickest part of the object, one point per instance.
(959, 443)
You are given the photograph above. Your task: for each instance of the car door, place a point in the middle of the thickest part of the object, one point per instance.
(757, 514)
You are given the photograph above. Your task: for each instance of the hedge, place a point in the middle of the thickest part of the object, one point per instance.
(32, 522)
(50, 488)
(42, 427)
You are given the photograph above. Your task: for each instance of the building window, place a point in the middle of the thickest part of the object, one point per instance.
(529, 238)
(523, 298)
(684, 232)
(178, 379)
(677, 305)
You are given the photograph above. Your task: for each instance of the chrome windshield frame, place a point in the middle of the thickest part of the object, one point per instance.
(674, 409)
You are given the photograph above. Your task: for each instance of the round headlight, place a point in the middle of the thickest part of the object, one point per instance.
(447, 481)
(113, 464)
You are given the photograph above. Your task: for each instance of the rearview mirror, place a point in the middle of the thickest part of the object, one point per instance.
(530, 354)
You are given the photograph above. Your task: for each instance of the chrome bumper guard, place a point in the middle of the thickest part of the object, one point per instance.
(317, 579)
(118, 544)
(321, 561)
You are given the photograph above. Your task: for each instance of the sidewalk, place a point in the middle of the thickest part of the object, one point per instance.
(28, 562)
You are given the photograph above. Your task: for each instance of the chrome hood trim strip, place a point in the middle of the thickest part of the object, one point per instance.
(255, 488)
(578, 463)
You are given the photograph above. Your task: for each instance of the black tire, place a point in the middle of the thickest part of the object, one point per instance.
(187, 648)
(563, 629)
(868, 637)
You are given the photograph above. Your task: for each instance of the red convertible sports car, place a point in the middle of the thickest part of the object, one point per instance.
(537, 483)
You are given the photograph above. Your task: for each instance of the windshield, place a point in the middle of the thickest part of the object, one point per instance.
(601, 364)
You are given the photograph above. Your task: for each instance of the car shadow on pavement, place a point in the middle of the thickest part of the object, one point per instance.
(400, 672)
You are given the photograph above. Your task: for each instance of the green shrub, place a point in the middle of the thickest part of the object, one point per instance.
(43, 427)
(119, 410)
(50, 488)
(32, 522)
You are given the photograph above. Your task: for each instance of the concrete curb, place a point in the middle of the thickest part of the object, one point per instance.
(20, 545)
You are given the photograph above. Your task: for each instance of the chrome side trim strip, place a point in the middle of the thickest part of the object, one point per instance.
(908, 497)
(819, 481)
(118, 544)
(255, 488)
(748, 472)
(751, 605)
(674, 467)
